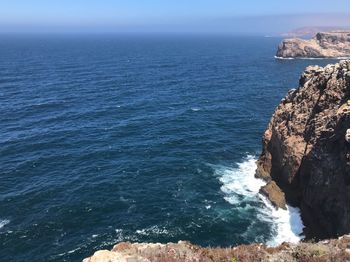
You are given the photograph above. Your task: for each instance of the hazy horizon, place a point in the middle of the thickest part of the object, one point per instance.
(155, 16)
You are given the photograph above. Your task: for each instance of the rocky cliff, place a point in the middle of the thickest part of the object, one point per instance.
(306, 149)
(322, 45)
(337, 250)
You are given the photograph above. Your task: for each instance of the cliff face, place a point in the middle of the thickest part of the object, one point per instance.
(330, 44)
(306, 149)
(330, 250)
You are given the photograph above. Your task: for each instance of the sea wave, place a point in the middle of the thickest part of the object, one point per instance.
(154, 230)
(239, 184)
(287, 224)
(4, 222)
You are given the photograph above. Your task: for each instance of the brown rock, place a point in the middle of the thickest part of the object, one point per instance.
(106, 256)
(272, 191)
(305, 153)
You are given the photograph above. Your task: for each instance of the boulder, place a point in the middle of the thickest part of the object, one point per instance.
(272, 191)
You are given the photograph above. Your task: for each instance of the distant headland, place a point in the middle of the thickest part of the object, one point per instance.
(334, 44)
(308, 32)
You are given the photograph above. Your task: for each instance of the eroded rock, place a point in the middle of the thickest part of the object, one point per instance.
(272, 191)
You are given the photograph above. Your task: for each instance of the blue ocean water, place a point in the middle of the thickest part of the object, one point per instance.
(134, 138)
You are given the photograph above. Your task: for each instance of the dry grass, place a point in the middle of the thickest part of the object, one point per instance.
(337, 250)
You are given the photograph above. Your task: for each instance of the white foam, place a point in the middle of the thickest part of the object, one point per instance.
(4, 222)
(74, 250)
(284, 58)
(241, 180)
(239, 184)
(287, 224)
(153, 230)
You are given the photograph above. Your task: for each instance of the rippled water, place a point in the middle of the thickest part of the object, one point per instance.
(125, 138)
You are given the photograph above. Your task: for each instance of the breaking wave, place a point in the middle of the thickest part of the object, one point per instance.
(4, 222)
(239, 184)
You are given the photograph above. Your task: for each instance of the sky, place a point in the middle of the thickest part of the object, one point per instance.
(230, 16)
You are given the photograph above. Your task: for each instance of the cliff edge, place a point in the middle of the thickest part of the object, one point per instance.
(322, 45)
(328, 250)
(306, 149)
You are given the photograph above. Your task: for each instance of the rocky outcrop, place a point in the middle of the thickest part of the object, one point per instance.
(274, 194)
(322, 45)
(330, 250)
(306, 149)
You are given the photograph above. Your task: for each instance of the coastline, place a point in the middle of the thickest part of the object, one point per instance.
(291, 150)
(311, 58)
(322, 45)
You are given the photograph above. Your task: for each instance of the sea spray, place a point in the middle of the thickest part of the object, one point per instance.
(287, 224)
(239, 184)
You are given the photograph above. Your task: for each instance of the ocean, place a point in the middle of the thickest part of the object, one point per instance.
(142, 138)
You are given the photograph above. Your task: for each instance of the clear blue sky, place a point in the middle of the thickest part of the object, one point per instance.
(171, 15)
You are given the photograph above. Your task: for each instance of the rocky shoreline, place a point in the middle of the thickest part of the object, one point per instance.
(333, 44)
(305, 162)
(306, 151)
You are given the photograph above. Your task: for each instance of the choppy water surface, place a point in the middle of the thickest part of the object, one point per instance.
(124, 138)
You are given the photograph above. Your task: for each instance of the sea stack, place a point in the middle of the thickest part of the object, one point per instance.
(322, 45)
(306, 149)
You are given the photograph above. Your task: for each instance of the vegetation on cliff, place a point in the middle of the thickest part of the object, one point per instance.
(329, 250)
